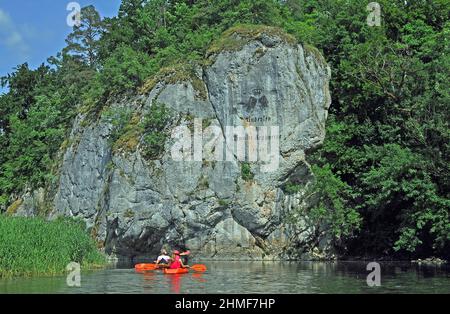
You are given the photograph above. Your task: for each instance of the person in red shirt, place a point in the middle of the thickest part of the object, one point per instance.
(177, 262)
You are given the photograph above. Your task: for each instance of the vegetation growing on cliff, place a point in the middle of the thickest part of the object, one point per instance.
(177, 73)
(246, 171)
(119, 119)
(32, 246)
(237, 37)
(156, 129)
(388, 133)
(129, 130)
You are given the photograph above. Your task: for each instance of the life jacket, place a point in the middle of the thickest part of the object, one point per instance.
(176, 263)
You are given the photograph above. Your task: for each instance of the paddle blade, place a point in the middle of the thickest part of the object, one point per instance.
(199, 268)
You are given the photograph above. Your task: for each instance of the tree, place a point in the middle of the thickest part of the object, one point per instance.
(125, 70)
(83, 41)
(331, 212)
(388, 135)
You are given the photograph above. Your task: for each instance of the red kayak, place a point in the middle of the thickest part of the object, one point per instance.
(146, 267)
(143, 267)
(177, 271)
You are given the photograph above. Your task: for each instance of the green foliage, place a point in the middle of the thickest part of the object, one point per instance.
(125, 70)
(167, 32)
(333, 206)
(128, 129)
(83, 42)
(398, 180)
(246, 171)
(129, 135)
(180, 72)
(224, 203)
(292, 187)
(129, 214)
(388, 135)
(36, 112)
(236, 37)
(156, 127)
(119, 118)
(32, 246)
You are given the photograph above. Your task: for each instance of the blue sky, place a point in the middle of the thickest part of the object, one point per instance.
(33, 30)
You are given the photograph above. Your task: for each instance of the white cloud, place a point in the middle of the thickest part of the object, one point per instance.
(11, 37)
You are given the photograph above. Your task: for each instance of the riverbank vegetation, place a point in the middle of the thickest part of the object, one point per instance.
(33, 246)
(388, 139)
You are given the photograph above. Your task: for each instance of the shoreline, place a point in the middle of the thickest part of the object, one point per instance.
(428, 261)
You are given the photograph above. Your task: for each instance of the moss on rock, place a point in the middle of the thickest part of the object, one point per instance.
(311, 50)
(237, 37)
(176, 74)
(129, 140)
(12, 209)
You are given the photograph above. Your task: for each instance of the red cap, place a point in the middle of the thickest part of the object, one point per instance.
(176, 252)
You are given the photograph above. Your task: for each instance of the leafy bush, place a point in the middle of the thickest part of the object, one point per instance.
(246, 172)
(333, 205)
(156, 129)
(398, 181)
(119, 117)
(292, 187)
(331, 212)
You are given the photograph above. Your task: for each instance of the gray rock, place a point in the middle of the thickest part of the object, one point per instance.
(136, 206)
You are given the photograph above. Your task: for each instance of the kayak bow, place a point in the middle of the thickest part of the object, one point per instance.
(141, 267)
(177, 271)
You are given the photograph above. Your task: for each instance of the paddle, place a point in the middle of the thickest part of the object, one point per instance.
(199, 268)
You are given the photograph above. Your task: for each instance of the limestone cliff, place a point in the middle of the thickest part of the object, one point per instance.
(218, 206)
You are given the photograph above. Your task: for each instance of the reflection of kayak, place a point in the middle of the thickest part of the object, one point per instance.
(169, 271)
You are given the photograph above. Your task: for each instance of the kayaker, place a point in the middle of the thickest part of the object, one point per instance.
(163, 259)
(177, 262)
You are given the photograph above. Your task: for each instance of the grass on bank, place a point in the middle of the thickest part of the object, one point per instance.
(33, 246)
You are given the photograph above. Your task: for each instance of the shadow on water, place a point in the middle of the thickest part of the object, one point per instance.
(249, 277)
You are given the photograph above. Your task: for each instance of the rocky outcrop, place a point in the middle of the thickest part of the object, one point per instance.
(218, 205)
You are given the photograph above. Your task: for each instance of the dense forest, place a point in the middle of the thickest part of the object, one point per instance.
(386, 155)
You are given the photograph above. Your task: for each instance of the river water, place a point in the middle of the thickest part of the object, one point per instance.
(248, 277)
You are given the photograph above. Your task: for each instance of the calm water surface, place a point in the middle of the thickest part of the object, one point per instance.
(254, 277)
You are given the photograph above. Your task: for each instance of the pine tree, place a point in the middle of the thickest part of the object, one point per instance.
(83, 41)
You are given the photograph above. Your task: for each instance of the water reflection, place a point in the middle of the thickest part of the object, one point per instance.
(249, 277)
(199, 277)
(175, 282)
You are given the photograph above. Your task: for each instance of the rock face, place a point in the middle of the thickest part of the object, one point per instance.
(222, 207)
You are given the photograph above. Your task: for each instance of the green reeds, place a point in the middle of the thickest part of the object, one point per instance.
(33, 246)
